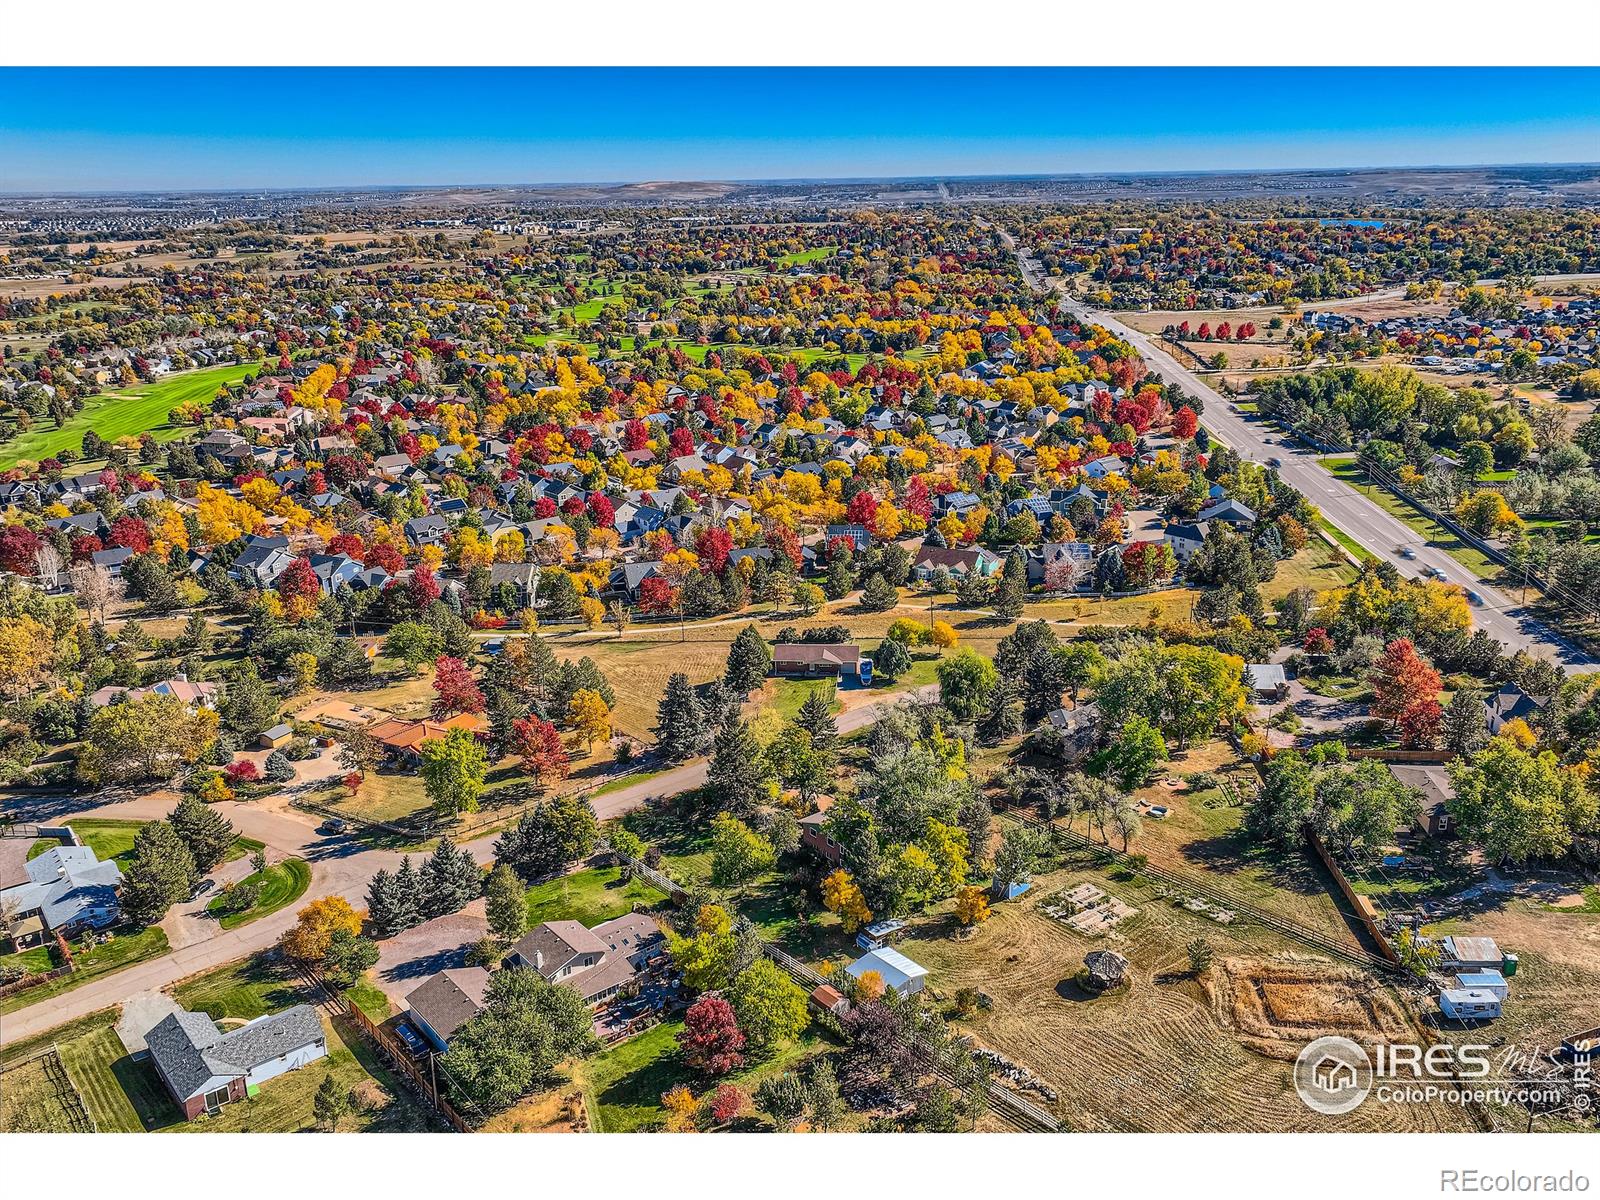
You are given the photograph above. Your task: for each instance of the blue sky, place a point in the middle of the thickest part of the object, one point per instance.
(153, 128)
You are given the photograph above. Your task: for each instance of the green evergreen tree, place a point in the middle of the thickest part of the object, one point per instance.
(816, 718)
(737, 778)
(160, 874)
(680, 721)
(879, 595)
(749, 661)
(205, 831)
(506, 904)
(450, 880)
(891, 660)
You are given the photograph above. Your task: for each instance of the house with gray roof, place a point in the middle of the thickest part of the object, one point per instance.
(205, 1068)
(598, 962)
(444, 1003)
(68, 890)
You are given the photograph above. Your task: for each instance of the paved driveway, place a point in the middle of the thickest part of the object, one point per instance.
(405, 960)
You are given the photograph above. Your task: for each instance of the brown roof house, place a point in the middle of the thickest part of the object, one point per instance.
(814, 659)
(596, 962)
(446, 1002)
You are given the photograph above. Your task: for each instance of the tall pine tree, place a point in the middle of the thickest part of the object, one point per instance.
(680, 721)
(816, 718)
(205, 831)
(749, 661)
(450, 880)
(380, 904)
(405, 896)
(737, 778)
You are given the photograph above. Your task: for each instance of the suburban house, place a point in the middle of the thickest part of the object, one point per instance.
(814, 836)
(446, 1002)
(596, 962)
(402, 740)
(814, 659)
(897, 971)
(68, 890)
(1510, 703)
(1078, 729)
(205, 1068)
(958, 563)
(194, 695)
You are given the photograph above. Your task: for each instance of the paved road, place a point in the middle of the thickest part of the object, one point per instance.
(1346, 507)
(340, 866)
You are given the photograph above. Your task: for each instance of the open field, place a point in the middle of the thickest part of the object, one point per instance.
(1159, 1054)
(125, 413)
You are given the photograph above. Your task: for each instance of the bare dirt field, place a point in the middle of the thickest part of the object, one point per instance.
(1159, 1054)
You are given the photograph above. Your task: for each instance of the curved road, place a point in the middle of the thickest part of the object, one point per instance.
(340, 866)
(1346, 507)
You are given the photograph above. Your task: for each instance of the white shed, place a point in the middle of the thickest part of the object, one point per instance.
(1469, 1004)
(895, 969)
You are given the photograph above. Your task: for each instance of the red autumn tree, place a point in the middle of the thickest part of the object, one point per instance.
(454, 689)
(298, 580)
(385, 557)
(131, 533)
(1317, 641)
(657, 595)
(423, 589)
(727, 1102)
(539, 745)
(602, 510)
(1403, 682)
(635, 436)
(713, 545)
(710, 1039)
(1185, 423)
(682, 442)
(19, 548)
(544, 507)
(863, 510)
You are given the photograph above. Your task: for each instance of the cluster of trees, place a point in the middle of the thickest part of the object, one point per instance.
(170, 856)
(1354, 807)
(551, 836)
(1519, 803)
(447, 881)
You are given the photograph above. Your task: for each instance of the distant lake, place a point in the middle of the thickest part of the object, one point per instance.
(1363, 222)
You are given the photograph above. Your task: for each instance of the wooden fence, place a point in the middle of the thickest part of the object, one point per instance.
(1365, 912)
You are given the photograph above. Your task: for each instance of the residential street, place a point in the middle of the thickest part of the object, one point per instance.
(339, 866)
(1345, 506)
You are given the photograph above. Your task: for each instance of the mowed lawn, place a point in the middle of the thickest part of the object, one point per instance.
(126, 412)
(589, 897)
(123, 950)
(281, 885)
(623, 1084)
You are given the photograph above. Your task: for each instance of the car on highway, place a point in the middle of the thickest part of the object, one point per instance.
(1274, 461)
(1474, 598)
(1435, 572)
(1405, 552)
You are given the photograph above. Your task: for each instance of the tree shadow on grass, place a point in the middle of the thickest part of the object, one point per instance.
(143, 1087)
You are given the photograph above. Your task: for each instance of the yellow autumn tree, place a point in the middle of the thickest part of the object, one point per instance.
(841, 895)
(590, 717)
(972, 906)
(315, 926)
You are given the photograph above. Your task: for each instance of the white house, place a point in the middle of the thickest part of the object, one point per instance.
(205, 1068)
(895, 969)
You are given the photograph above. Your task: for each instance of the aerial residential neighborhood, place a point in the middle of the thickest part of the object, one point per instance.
(982, 652)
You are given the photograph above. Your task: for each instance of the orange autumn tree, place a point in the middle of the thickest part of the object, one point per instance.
(318, 921)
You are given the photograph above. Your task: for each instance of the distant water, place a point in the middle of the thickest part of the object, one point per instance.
(1363, 222)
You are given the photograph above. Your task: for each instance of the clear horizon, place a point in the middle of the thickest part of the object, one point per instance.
(85, 130)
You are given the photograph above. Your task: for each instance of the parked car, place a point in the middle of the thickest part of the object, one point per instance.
(331, 827)
(201, 888)
(413, 1041)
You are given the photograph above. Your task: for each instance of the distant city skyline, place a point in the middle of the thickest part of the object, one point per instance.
(124, 129)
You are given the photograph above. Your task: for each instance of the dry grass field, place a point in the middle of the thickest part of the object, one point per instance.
(1158, 1055)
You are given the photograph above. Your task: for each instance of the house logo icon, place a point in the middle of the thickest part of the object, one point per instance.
(1333, 1075)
